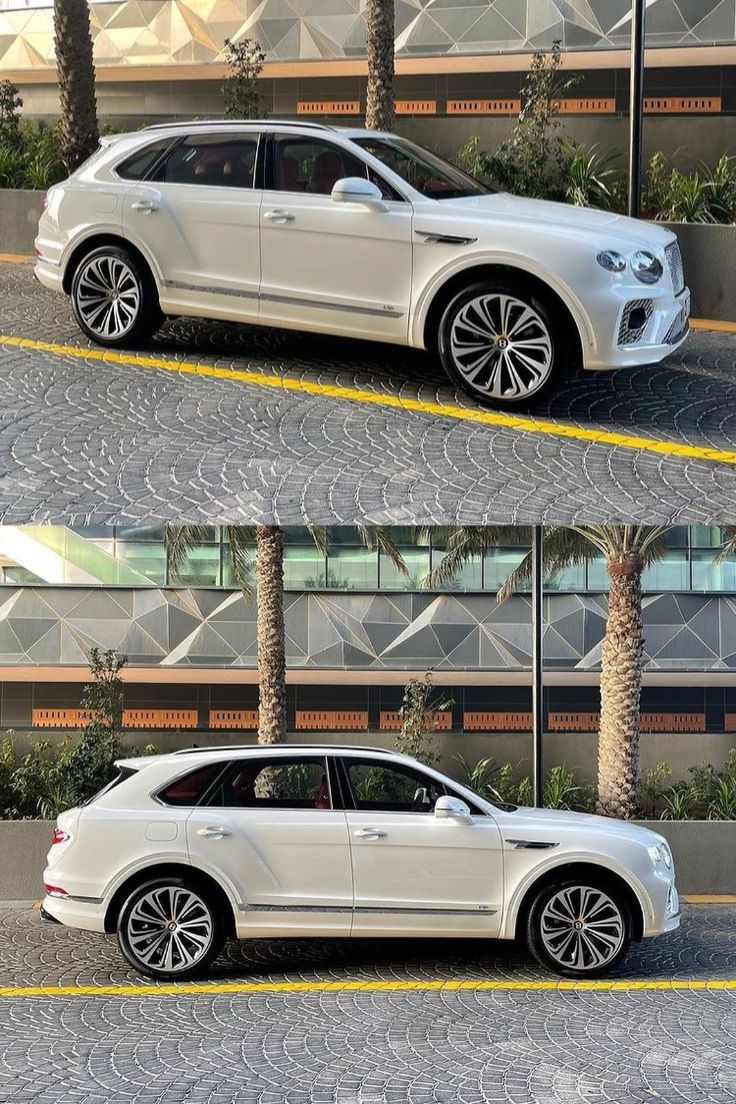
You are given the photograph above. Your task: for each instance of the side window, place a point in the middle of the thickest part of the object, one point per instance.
(190, 789)
(275, 783)
(311, 165)
(136, 166)
(381, 787)
(219, 160)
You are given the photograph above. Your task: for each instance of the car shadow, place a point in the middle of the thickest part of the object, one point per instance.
(690, 395)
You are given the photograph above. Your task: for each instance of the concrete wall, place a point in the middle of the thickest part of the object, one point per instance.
(709, 258)
(577, 750)
(704, 853)
(19, 214)
(23, 848)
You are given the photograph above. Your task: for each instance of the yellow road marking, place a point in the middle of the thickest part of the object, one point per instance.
(475, 415)
(15, 258)
(709, 898)
(226, 988)
(713, 324)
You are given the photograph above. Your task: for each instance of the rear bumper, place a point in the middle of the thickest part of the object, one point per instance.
(73, 912)
(49, 274)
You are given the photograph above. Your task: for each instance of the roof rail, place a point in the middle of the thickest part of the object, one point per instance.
(178, 124)
(288, 746)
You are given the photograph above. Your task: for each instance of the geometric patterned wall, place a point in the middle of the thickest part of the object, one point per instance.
(200, 627)
(175, 32)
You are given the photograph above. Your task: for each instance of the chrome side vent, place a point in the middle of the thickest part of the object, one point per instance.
(531, 845)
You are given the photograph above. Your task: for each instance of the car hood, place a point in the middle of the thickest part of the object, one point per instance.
(563, 216)
(564, 820)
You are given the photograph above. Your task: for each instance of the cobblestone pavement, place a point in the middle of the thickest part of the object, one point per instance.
(342, 1046)
(90, 442)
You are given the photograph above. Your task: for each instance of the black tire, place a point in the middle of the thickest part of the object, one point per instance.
(495, 383)
(130, 284)
(606, 938)
(136, 944)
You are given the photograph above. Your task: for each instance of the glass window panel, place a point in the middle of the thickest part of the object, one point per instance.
(498, 563)
(569, 579)
(673, 573)
(706, 536)
(418, 566)
(140, 532)
(708, 575)
(470, 578)
(677, 536)
(20, 576)
(213, 160)
(597, 574)
(304, 568)
(201, 567)
(354, 568)
(148, 559)
(276, 783)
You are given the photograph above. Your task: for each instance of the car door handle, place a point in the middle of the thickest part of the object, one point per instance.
(279, 216)
(146, 206)
(369, 833)
(212, 832)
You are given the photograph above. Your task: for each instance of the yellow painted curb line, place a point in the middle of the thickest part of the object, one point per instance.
(15, 258)
(474, 415)
(224, 989)
(712, 324)
(709, 898)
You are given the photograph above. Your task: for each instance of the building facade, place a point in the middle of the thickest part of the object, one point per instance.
(158, 59)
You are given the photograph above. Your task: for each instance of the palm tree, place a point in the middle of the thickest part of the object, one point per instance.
(268, 574)
(627, 550)
(76, 72)
(379, 109)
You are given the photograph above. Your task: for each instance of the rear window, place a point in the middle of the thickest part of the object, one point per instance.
(120, 776)
(137, 166)
(190, 789)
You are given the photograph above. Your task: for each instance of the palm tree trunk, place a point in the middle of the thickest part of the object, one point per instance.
(621, 671)
(76, 71)
(270, 634)
(379, 112)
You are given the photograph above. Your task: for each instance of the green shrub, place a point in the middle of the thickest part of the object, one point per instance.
(707, 793)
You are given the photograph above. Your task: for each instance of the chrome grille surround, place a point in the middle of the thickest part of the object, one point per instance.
(674, 263)
(626, 334)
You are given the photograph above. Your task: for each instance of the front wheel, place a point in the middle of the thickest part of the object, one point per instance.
(579, 928)
(168, 929)
(114, 297)
(503, 343)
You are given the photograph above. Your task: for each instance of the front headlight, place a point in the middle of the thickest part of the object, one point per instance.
(646, 267)
(611, 260)
(660, 853)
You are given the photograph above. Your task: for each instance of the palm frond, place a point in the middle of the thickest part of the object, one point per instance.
(728, 546)
(563, 546)
(241, 546)
(465, 542)
(180, 541)
(378, 536)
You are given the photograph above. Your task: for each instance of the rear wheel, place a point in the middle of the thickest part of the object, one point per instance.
(170, 929)
(114, 297)
(580, 927)
(504, 343)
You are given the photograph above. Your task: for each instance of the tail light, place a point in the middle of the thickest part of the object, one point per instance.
(54, 891)
(45, 202)
(59, 836)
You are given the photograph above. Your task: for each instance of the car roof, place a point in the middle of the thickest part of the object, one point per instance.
(222, 753)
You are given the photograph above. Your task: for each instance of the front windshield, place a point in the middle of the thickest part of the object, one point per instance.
(434, 177)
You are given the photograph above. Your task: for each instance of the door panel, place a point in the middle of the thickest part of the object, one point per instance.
(200, 219)
(414, 873)
(290, 866)
(337, 267)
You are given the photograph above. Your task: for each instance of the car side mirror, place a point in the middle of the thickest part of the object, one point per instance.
(451, 808)
(356, 189)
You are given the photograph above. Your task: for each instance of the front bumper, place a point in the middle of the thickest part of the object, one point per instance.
(621, 345)
(665, 915)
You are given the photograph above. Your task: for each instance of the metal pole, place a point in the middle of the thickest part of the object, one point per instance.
(537, 664)
(636, 104)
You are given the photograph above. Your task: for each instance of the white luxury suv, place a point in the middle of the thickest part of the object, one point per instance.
(182, 851)
(363, 234)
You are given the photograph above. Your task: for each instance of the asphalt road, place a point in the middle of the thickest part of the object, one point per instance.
(359, 1022)
(227, 423)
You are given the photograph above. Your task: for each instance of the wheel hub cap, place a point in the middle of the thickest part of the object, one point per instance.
(582, 927)
(170, 928)
(107, 296)
(501, 346)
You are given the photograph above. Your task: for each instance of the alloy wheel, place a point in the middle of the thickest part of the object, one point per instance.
(169, 928)
(501, 346)
(582, 928)
(108, 296)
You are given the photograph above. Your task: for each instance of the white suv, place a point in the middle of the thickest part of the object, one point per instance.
(182, 851)
(363, 234)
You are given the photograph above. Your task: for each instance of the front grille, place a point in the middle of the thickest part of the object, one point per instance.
(674, 263)
(634, 321)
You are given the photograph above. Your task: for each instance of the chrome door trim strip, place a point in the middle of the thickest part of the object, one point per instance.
(212, 289)
(482, 910)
